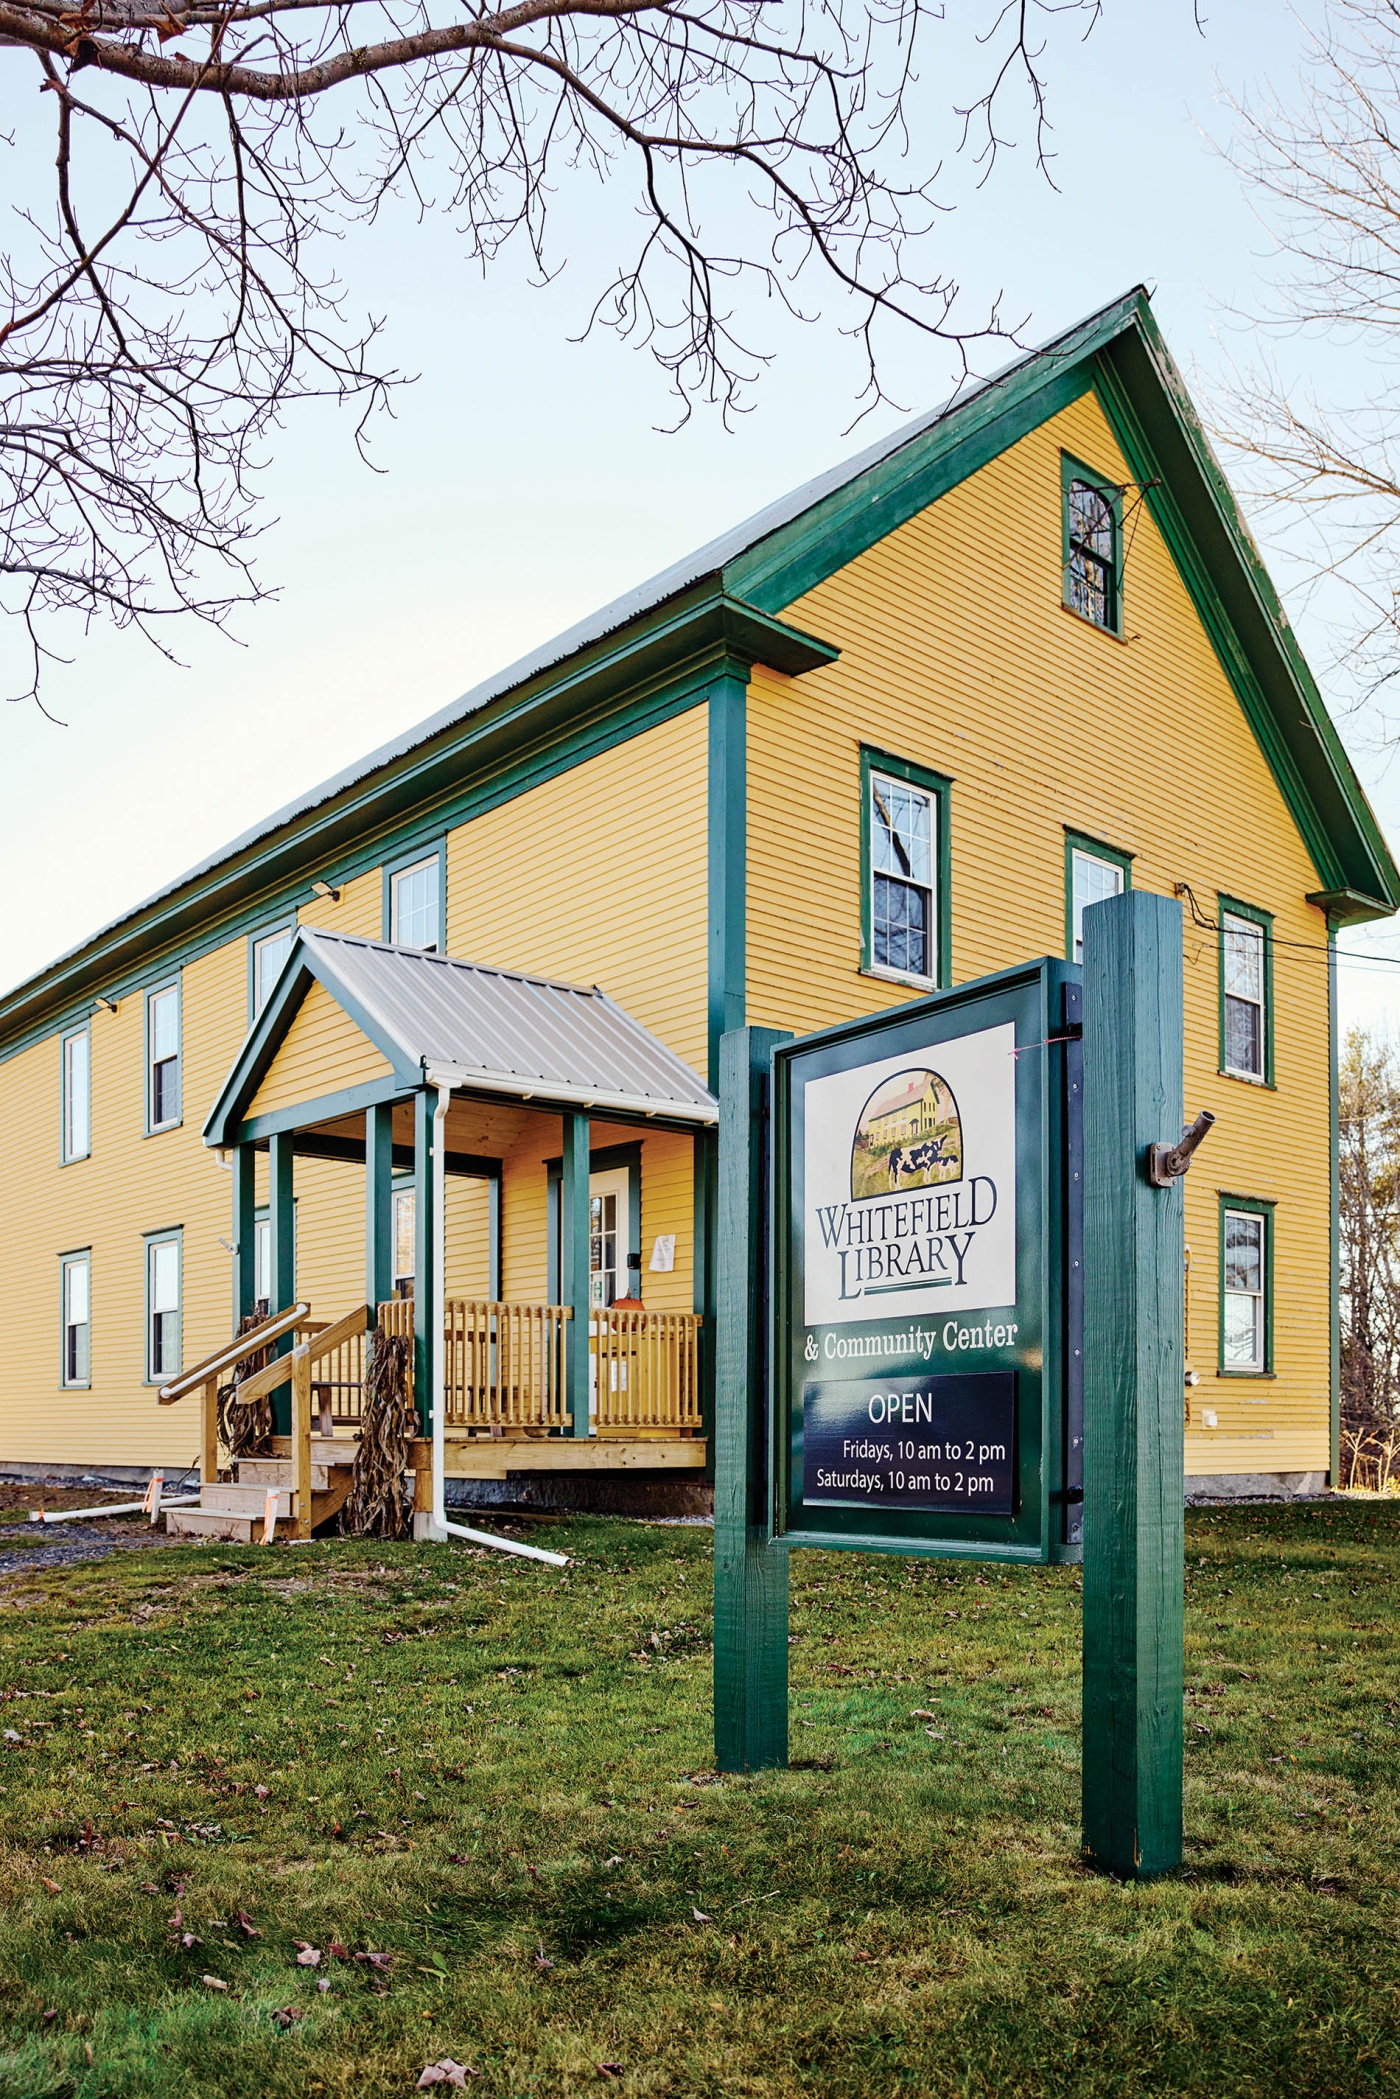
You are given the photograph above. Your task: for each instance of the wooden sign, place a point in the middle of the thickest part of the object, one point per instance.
(920, 1325)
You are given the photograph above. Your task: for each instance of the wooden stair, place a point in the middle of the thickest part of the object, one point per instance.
(235, 1510)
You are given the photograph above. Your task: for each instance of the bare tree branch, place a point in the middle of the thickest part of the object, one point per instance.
(164, 310)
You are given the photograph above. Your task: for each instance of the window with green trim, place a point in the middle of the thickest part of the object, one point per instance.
(266, 954)
(1246, 992)
(163, 1058)
(1246, 1287)
(415, 898)
(1092, 873)
(1092, 544)
(75, 1287)
(163, 1306)
(904, 874)
(76, 1081)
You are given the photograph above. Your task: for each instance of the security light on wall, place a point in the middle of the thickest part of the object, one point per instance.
(327, 890)
(109, 1005)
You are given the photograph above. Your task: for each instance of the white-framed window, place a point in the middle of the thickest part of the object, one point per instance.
(1244, 1018)
(903, 844)
(75, 1283)
(77, 1095)
(1091, 880)
(163, 1340)
(262, 1260)
(163, 1057)
(413, 905)
(1243, 1317)
(269, 953)
(405, 1240)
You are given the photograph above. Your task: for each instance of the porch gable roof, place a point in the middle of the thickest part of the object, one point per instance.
(460, 1024)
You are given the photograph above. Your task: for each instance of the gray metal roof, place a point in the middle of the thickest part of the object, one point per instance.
(499, 1031)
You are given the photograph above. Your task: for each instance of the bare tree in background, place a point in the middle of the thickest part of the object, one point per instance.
(1324, 169)
(1370, 1261)
(171, 296)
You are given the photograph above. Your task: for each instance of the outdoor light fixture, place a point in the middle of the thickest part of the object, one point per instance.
(326, 889)
(110, 1004)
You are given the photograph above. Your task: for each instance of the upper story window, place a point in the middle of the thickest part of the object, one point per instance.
(1092, 872)
(163, 1343)
(163, 1057)
(76, 1288)
(414, 895)
(1092, 556)
(904, 837)
(1246, 1046)
(268, 955)
(77, 1095)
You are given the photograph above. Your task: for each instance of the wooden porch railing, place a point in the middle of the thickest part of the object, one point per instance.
(205, 1375)
(646, 1372)
(505, 1366)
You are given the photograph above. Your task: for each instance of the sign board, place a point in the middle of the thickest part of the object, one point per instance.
(922, 1185)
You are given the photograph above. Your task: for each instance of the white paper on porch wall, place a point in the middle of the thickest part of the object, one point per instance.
(663, 1253)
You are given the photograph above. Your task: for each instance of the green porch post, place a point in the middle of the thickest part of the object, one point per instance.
(1134, 1412)
(727, 823)
(426, 1313)
(751, 1576)
(282, 1282)
(245, 1231)
(379, 1202)
(573, 1265)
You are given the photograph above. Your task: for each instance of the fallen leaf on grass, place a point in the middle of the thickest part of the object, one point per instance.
(376, 1960)
(263, 1792)
(246, 1925)
(190, 1938)
(615, 1860)
(338, 1952)
(54, 1887)
(446, 2072)
(542, 1959)
(921, 1712)
(699, 1916)
(212, 1982)
(13, 1735)
(288, 2016)
(611, 2069)
(323, 1982)
(49, 2015)
(308, 1956)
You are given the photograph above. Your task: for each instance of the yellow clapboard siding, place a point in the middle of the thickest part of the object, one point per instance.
(600, 877)
(322, 1052)
(958, 654)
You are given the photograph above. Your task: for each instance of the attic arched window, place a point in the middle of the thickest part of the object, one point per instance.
(1093, 579)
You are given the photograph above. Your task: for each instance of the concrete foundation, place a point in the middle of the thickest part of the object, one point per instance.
(1256, 1486)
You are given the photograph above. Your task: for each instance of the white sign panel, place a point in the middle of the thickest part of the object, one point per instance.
(910, 1176)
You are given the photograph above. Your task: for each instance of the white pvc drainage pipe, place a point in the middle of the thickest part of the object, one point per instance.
(438, 1526)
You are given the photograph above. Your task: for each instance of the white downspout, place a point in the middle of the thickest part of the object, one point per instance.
(439, 1528)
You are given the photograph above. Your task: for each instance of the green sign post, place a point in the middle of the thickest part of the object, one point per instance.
(949, 1323)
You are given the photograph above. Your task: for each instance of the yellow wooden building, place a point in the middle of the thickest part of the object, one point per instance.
(440, 1038)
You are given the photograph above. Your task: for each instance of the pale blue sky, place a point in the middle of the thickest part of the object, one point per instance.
(525, 479)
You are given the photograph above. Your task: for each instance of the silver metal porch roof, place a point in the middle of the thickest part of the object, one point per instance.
(500, 1031)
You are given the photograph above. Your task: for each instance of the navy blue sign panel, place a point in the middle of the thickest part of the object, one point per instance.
(944, 1443)
(920, 1195)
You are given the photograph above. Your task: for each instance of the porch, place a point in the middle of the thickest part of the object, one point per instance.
(520, 1173)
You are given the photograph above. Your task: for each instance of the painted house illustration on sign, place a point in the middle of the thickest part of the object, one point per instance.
(388, 1057)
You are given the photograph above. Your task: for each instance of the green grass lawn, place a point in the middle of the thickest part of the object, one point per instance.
(497, 1779)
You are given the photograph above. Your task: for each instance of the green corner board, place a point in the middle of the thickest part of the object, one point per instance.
(664, 660)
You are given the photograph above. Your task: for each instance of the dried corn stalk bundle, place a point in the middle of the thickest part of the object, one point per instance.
(377, 1506)
(246, 1431)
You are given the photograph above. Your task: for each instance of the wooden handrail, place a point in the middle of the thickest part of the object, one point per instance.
(243, 1345)
(323, 1344)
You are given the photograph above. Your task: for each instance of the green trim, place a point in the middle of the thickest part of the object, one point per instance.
(1249, 1206)
(425, 849)
(940, 787)
(654, 668)
(327, 1107)
(574, 1282)
(65, 1157)
(284, 922)
(1334, 1222)
(727, 861)
(1080, 842)
(153, 991)
(1072, 469)
(65, 1262)
(245, 1215)
(608, 1158)
(428, 1336)
(1265, 921)
(175, 1233)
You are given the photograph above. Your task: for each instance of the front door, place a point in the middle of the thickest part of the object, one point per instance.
(607, 1259)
